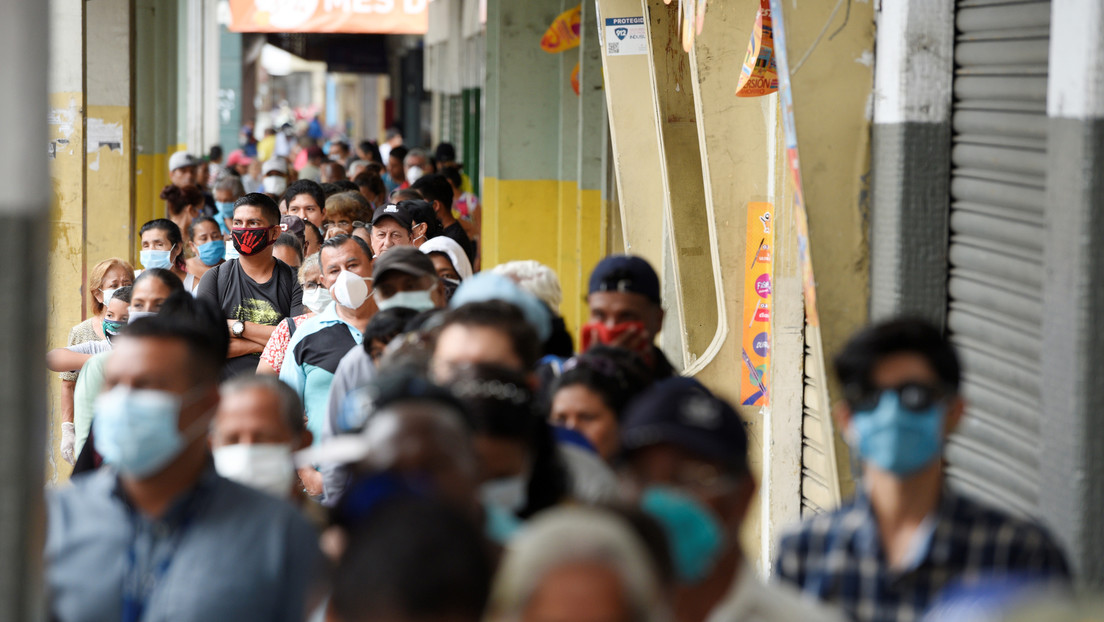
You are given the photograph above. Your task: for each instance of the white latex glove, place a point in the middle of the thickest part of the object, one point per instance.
(68, 440)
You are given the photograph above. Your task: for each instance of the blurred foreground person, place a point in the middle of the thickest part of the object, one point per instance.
(258, 425)
(158, 535)
(577, 565)
(887, 554)
(625, 310)
(686, 456)
(412, 560)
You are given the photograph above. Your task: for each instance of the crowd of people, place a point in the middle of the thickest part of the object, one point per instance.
(312, 404)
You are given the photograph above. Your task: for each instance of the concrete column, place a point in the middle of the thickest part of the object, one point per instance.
(25, 29)
(230, 89)
(1072, 452)
(912, 158)
(520, 193)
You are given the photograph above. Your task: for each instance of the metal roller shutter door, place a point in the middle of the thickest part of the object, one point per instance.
(995, 304)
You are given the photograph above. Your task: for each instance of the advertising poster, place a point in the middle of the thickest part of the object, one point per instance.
(758, 296)
(406, 17)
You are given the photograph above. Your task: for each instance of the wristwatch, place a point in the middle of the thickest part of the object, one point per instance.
(238, 329)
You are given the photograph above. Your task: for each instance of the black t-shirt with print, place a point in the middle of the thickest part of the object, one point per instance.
(241, 298)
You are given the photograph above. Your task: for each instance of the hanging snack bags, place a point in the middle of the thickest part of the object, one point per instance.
(759, 74)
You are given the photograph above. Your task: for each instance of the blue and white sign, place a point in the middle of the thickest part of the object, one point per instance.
(626, 36)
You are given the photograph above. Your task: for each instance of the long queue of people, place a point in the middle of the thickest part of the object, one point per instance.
(360, 425)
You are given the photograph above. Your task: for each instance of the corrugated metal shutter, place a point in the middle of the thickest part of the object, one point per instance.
(995, 301)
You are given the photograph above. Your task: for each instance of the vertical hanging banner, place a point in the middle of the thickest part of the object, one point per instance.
(563, 33)
(801, 218)
(758, 298)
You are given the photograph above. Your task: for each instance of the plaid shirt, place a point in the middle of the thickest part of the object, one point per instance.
(837, 557)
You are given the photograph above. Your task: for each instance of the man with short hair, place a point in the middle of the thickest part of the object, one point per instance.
(415, 164)
(157, 534)
(258, 425)
(274, 176)
(312, 170)
(906, 536)
(307, 200)
(392, 226)
(255, 291)
(319, 344)
(625, 310)
(332, 172)
(686, 454)
(182, 169)
(437, 190)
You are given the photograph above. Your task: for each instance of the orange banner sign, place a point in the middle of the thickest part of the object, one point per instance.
(759, 75)
(399, 17)
(758, 295)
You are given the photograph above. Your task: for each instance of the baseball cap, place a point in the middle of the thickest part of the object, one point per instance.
(294, 225)
(180, 159)
(396, 212)
(625, 273)
(405, 259)
(487, 286)
(274, 165)
(682, 412)
(237, 157)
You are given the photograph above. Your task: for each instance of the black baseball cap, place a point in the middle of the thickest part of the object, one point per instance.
(682, 412)
(397, 212)
(406, 259)
(625, 273)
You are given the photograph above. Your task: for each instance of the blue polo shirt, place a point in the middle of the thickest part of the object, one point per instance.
(312, 357)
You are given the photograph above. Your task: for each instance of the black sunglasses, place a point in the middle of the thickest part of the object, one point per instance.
(914, 396)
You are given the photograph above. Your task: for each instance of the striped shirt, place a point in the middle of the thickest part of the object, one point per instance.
(838, 558)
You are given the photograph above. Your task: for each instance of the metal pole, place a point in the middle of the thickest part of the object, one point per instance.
(24, 209)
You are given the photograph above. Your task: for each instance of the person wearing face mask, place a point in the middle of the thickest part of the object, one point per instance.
(450, 261)
(436, 189)
(685, 454)
(424, 223)
(163, 247)
(208, 249)
(315, 299)
(157, 534)
(104, 278)
(903, 538)
(255, 291)
(625, 310)
(406, 277)
(228, 188)
(115, 318)
(258, 425)
(319, 344)
(274, 178)
(392, 226)
(149, 292)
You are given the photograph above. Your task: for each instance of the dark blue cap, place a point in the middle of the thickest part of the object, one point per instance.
(682, 412)
(625, 273)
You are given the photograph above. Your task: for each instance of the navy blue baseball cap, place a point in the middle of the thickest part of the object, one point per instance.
(682, 412)
(625, 273)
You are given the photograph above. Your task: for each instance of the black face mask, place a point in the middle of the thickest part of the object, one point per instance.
(450, 288)
(250, 240)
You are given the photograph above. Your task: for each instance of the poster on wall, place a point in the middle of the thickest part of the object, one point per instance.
(397, 17)
(758, 297)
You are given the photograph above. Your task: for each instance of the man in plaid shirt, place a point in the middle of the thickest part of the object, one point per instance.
(889, 553)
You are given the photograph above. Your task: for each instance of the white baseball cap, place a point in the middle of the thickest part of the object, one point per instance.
(180, 159)
(274, 165)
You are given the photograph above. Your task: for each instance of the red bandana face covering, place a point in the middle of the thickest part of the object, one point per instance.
(597, 333)
(250, 241)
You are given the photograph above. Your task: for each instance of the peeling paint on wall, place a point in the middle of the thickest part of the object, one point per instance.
(102, 134)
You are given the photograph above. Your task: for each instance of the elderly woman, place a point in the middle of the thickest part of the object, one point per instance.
(580, 564)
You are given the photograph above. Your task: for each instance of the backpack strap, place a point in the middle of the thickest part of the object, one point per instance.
(291, 326)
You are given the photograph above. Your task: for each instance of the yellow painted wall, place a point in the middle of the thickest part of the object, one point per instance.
(110, 230)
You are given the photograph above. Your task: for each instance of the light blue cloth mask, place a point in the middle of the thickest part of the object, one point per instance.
(897, 439)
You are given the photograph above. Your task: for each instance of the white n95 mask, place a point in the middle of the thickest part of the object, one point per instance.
(265, 467)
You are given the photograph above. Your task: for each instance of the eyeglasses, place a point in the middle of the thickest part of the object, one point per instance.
(310, 286)
(914, 396)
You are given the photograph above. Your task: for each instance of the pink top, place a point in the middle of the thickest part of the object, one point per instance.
(276, 347)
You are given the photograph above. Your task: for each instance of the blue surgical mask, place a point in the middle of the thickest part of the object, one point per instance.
(136, 429)
(419, 300)
(506, 493)
(225, 209)
(695, 535)
(897, 439)
(210, 253)
(231, 250)
(156, 259)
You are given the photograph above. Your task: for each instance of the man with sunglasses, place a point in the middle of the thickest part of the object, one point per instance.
(889, 553)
